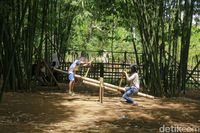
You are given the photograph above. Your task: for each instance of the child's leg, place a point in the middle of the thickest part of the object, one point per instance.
(126, 96)
(70, 86)
(73, 83)
(71, 78)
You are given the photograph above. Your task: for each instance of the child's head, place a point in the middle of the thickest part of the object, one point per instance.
(83, 59)
(133, 68)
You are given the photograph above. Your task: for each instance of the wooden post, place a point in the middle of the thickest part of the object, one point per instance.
(88, 68)
(101, 90)
(125, 57)
(87, 72)
(120, 82)
(101, 69)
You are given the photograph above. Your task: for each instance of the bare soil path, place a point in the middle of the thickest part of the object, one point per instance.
(57, 112)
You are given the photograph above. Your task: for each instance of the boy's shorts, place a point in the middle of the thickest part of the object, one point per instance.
(71, 76)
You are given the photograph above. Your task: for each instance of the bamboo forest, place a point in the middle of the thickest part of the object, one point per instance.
(99, 66)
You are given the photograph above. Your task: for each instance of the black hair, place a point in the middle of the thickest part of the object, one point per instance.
(133, 68)
(53, 64)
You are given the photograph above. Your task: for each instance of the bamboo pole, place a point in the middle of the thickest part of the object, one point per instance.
(87, 72)
(117, 90)
(145, 95)
(61, 71)
(107, 86)
(97, 85)
(120, 82)
(88, 68)
(101, 90)
(51, 74)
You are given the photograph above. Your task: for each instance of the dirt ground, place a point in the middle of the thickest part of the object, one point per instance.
(49, 110)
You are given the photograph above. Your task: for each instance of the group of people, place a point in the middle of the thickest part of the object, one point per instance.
(128, 91)
(39, 71)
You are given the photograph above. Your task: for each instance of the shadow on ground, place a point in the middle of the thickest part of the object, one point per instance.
(49, 109)
(33, 112)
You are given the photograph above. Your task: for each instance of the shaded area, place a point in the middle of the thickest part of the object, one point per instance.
(52, 110)
(24, 112)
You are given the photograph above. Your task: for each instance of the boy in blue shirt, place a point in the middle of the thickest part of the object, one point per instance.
(71, 72)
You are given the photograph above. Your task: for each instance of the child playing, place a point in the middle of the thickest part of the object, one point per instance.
(134, 85)
(71, 73)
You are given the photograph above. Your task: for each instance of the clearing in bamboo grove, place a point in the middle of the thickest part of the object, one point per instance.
(99, 66)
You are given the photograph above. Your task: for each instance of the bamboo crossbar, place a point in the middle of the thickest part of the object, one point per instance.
(61, 71)
(97, 85)
(107, 86)
(116, 89)
(145, 95)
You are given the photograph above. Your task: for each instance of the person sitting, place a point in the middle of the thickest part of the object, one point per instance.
(39, 72)
(134, 85)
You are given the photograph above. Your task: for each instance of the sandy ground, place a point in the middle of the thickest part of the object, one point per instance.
(54, 111)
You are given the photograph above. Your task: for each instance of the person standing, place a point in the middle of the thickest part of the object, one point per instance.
(72, 71)
(55, 64)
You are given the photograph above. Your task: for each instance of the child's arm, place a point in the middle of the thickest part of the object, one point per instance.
(87, 63)
(127, 77)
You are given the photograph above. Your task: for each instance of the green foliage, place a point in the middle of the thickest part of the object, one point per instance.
(31, 30)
